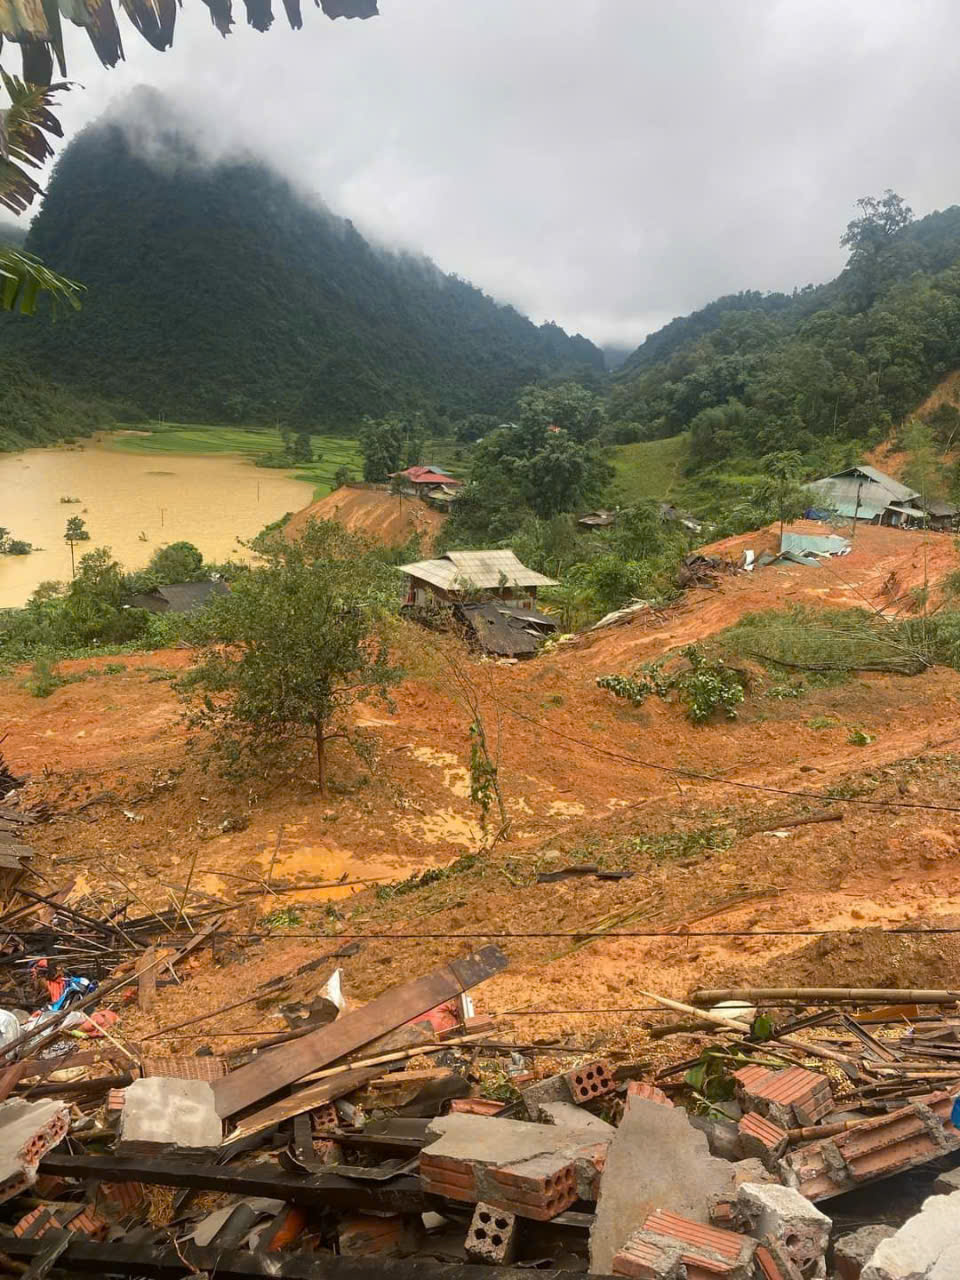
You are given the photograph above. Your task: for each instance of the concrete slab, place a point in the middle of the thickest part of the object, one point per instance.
(657, 1160)
(925, 1248)
(162, 1112)
(567, 1115)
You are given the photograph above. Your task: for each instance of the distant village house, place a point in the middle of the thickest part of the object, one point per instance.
(430, 483)
(178, 597)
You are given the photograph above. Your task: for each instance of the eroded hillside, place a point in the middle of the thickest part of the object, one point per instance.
(586, 779)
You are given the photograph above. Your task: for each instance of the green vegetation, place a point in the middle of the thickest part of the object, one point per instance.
(293, 646)
(652, 468)
(299, 320)
(704, 687)
(10, 546)
(818, 641)
(822, 369)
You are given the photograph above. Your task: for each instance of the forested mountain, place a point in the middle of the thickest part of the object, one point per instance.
(753, 373)
(12, 232)
(220, 293)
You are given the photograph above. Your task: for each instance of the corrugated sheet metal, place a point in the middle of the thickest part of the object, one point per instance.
(460, 570)
(814, 544)
(876, 491)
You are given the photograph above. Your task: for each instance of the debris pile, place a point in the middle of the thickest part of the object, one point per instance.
(379, 1131)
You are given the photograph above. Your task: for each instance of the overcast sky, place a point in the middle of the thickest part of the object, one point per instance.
(607, 164)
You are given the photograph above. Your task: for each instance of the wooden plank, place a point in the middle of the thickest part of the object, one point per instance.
(304, 1100)
(147, 980)
(272, 1071)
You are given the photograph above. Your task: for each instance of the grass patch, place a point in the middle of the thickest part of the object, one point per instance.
(683, 844)
(823, 722)
(652, 468)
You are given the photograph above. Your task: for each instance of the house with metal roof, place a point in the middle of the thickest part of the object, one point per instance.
(862, 492)
(461, 576)
(179, 597)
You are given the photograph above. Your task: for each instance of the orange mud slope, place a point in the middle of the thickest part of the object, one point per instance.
(585, 777)
(884, 566)
(375, 514)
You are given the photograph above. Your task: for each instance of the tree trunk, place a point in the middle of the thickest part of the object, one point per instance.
(73, 567)
(318, 732)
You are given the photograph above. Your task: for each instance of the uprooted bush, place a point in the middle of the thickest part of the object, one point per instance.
(704, 687)
(845, 640)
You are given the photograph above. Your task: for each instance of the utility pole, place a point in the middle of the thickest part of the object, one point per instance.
(856, 512)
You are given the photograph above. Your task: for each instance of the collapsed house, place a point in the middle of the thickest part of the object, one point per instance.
(864, 493)
(505, 630)
(491, 593)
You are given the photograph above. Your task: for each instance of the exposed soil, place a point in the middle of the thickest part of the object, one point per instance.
(586, 778)
(381, 516)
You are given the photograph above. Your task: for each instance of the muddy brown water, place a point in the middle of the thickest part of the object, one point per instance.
(207, 500)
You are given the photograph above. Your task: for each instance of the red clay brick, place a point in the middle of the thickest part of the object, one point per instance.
(757, 1131)
(477, 1106)
(592, 1080)
(696, 1235)
(650, 1092)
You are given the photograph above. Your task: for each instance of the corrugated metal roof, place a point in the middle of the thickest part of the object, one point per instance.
(875, 489)
(461, 570)
(828, 544)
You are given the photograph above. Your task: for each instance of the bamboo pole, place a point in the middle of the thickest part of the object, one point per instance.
(828, 995)
(811, 1050)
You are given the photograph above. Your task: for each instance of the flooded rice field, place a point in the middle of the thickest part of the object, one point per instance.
(133, 503)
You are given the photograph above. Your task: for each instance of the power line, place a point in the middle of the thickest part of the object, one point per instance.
(677, 772)
(675, 934)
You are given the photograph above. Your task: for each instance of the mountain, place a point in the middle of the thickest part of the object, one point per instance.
(12, 233)
(845, 361)
(219, 293)
(614, 355)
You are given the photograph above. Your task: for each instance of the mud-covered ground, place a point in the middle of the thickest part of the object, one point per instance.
(586, 778)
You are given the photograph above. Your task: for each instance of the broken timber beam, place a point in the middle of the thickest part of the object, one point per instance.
(270, 1072)
(84, 1257)
(399, 1195)
(860, 995)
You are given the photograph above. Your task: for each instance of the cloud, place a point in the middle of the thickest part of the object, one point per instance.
(607, 164)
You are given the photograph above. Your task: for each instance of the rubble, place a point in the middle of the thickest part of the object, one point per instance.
(656, 1158)
(161, 1112)
(27, 1131)
(853, 1251)
(492, 1236)
(781, 1214)
(364, 1133)
(925, 1248)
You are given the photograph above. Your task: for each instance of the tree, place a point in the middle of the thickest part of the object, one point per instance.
(302, 449)
(343, 475)
(76, 532)
(177, 562)
(881, 217)
(381, 446)
(924, 470)
(295, 644)
(784, 469)
(568, 406)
